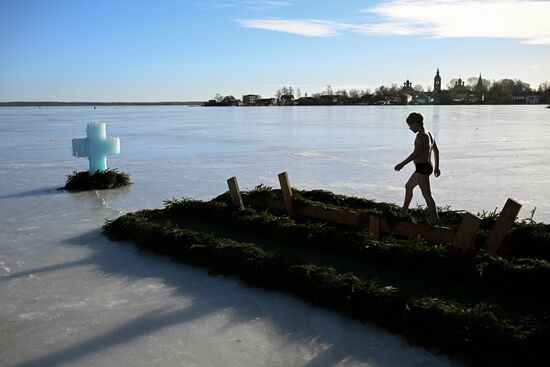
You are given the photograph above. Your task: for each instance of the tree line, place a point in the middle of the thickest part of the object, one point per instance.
(503, 91)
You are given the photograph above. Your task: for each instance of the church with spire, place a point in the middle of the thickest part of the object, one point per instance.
(437, 83)
(459, 92)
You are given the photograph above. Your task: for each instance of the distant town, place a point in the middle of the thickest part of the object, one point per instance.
(474, 90)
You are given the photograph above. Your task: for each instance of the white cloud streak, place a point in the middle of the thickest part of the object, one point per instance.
(312, 28)
(525, 20)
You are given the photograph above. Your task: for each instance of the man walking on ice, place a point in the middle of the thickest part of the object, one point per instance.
(424, 145)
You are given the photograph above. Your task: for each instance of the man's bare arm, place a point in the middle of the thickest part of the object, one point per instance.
(435, 149)
(419, 144)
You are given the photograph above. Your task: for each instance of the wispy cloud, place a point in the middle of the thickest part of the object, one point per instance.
(312, 28)
(526, 20)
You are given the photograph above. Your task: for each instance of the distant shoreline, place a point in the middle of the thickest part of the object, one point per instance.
(198, 103)
(50, 103)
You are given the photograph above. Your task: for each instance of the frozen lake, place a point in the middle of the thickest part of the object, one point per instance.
(71, 297)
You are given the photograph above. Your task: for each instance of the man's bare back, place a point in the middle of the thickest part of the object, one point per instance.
(424, 145)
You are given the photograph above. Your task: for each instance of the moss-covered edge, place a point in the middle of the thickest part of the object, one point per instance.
(527, 238)
(109, 179)
(475, 333)
(518, 276)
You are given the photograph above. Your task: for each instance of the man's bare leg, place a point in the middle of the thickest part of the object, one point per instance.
(424, 183)
(409, 187)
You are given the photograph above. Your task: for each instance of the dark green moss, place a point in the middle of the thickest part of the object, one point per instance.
(109, 179)
(521, 276)
(527, 238)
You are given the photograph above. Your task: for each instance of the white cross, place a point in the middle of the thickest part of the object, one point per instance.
(96, 147)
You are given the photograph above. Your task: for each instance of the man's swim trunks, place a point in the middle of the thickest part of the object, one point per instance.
(424, 168)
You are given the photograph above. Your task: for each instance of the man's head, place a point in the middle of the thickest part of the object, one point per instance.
(415, 121)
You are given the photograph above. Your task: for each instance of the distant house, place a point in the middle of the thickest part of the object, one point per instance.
(266, 102)
(229, 101)
(530, 99)
(533, 99)
(251, 99)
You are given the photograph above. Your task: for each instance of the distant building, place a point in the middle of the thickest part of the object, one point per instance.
(479, 90)
(229, 101)
(532, 99)
(437, 83)
(459, 91)
(266, 102)
(407, 88)
(251, 99)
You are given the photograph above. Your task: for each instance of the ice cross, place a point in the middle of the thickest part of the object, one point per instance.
(96, 147)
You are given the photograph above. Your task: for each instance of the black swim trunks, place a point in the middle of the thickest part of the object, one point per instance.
(424, 168)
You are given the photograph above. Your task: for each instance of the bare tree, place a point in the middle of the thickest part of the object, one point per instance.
(452, 83)
(354, 93)
(472, 83)
(544, 87)
(342, 92)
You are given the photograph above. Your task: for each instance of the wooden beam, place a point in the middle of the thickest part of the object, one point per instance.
(503, 224)
(287, 194)
(429, 233)
(333, 215)
(235, 193)
(467, 231)
(374, 225)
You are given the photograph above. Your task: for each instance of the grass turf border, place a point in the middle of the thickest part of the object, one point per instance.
(109, 179)
(476, 333)
(524, 277)
(526, 239)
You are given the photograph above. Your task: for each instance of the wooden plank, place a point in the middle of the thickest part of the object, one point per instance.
(374, 225)
(333, 215)
(429, 233)
(503, 224)
(467, 231)
(235, 192)
(287, 193)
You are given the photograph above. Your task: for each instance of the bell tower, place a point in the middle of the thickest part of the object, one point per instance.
(479, 89)
(437, 83)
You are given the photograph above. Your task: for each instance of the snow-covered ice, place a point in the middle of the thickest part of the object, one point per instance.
(71, 297)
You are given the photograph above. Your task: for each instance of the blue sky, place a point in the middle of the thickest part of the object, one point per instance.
(157, 50)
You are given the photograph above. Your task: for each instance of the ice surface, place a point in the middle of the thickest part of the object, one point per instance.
(70, 297)
(96, 147)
